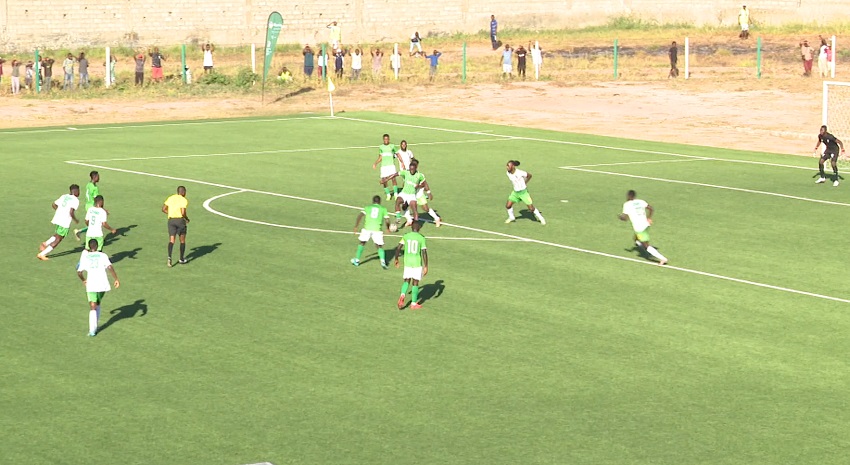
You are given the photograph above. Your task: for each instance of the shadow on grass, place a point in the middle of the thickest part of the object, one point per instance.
(431, 291)
(198, 252)
(131, 254)
(119, 233)
(127, 311)
(300, 91)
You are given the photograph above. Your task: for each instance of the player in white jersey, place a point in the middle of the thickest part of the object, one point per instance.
(520, 179)
(640, 214)
(96, 221)
(95, 264)
(405, 156)
(65, 207)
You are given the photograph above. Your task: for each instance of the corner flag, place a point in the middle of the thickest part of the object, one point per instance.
(331, 86)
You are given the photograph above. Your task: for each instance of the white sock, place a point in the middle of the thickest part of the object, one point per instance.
(639, 243)
(92, 321)
(49, 241)
(511, 213)
(408, 216)
(434, 215)
(654, 252)
(538, 215)
(46, 251)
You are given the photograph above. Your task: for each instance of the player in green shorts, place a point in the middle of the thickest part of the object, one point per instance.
(376, 221)
(92, 191)
(95, 265)
(65, 208)
(640, 214)
(387, 155)
(96, 221)
(520, 179)
(415, 265)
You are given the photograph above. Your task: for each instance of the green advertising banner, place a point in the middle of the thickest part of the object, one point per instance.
(273, 27)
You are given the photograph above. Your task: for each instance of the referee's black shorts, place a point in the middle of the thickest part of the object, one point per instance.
(176, 227)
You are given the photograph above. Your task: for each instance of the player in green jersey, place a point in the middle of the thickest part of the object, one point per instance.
(92, 191)
(387, 155)
(415, 265)
(376, 221)
(415, 193)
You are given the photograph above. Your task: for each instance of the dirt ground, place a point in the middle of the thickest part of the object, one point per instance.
(707, 111)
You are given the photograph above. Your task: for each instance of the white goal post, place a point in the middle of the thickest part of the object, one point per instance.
(836, 108)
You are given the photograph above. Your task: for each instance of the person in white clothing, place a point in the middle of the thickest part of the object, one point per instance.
(823, 65)
(415, 42)
(65, 207)
(95, 264)
(96, 221)
(356, 64)
(520, 179)
(405, 156)
(208, 58)
(640, 214)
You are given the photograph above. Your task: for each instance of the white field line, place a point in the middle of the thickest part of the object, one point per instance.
(577, 144)
(510, 236)
(207, 206)
(160, 125)
(266, 152)
(713, 186)
(648, 162)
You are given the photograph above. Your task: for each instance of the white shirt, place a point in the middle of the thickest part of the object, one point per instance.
(208, 58)
(823, 51)
(406, 156)
(95, 265)
(518, 179)
(636, 210)
(64, 205)
(356, 61)
(95, 218)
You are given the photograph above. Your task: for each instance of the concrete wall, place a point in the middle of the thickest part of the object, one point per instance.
(79, 23)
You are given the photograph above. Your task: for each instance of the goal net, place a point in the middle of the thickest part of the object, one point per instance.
(836, 109)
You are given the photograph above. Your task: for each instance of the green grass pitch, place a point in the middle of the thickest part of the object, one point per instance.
(554, 344)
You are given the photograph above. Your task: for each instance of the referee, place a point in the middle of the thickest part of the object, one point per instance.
(175, 208)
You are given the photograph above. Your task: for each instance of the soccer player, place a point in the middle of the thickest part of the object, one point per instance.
(92, 191)
(387, 155)
(94, 264)
(412, 181)
(520, 180)
(640, 214)
(65, 207)
(96, 221)
(175, 208)
(405, 156)
(376, 221)
(832, 144)
(415, 265)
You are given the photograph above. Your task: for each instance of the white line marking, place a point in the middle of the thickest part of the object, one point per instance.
(579, 144)
(207, 206)
(267, 152)
(637, 163)
(714, 186)
(159, 125)
(495, 233)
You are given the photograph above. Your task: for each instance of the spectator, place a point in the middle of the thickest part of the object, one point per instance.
(16, 77)
(356, 64)
(744, 21)
(673, 53)
(415, 41)
(830, 61)
(377, 62)
(208, 57)
(1, 68)
(507, 62)
(323, 62)
(68, 67)
(335, 35)
(47, 67)
(395, 63)
(434, 58)
(521, 54)
(823, 66)
(84, 70)
(188, 73)
(111, 68)
(308, 61)
(339, 62)
(29, 74)
(156, 64)
(285, 75)
(494, 26)
(807, 54)
(140, 69)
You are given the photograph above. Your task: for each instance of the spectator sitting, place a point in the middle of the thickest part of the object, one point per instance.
(285, 75)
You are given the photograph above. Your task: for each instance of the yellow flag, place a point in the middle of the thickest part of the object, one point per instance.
(331, 86)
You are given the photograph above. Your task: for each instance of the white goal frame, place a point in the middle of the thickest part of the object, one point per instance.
(836, 108)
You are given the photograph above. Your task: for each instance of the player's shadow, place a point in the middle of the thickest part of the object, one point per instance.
(76, 250)
(389, 255)
(526, 215)
(131, 254)
(198, 252)
(431, 291)
(128, 311)
(119, 233)
(641, 251)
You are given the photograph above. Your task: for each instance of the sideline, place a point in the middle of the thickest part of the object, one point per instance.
(159, 125)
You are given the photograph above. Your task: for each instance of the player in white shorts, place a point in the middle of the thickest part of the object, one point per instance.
(387, 156)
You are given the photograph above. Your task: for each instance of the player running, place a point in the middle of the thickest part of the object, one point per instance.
(640, 214)
(376, 221)
(92, 191)
(415, 265)
(387, 155)
(414, 182)
(95, 264)
(520, 180)
(65, 207)
(96, 221)
(830, 152)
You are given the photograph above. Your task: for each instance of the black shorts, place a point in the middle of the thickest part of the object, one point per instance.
(176, 227)
(829, 154)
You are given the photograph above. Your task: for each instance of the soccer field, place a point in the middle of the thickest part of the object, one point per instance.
(552, 344)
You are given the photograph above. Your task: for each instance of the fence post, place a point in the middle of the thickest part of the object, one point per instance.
(616, 55)
(183, 61)
(37, 73)
(254, 58)
(831, 63)
(687, 57)
(463, 69)
(758, 58)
